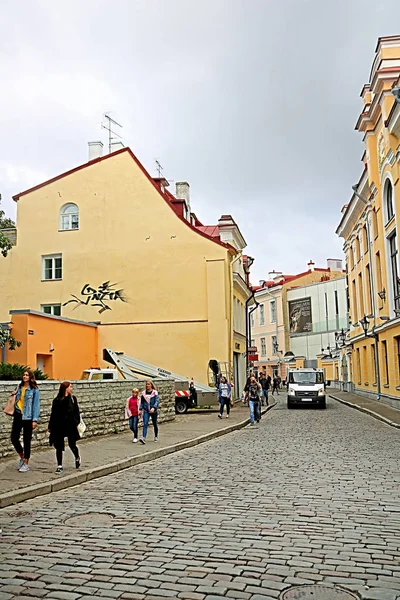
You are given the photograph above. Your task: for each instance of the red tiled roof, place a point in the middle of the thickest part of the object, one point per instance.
(210, 230)
(167, 196)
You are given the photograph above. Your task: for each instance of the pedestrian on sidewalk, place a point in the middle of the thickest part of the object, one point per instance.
(25, 418)
(275, 385)
(64, 420)
(224, 396)
(149, 402)
(265, 388)
(253, 396)
(132, 412)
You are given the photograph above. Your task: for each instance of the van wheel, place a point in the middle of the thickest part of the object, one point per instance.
(323, 404)
(180, 406)
(289, 404)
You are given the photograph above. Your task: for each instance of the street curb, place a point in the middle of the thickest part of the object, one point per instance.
(41, 489)
(366, 411)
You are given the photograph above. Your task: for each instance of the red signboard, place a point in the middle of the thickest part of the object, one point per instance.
(253, 357)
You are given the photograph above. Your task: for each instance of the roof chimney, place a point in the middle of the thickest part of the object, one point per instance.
(183, 193)
(116, 146)
(95, 150)
(311, 265)
(335, 264)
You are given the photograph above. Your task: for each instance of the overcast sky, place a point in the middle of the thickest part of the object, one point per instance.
(253, 102)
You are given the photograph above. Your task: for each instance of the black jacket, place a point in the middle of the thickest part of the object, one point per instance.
(64, 420)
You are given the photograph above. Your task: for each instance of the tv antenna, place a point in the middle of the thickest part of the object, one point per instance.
(159, 167)
(112, 135)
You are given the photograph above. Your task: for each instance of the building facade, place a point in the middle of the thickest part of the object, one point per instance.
(272, 322)
(106, 243)
(370, 229)
(317, 312)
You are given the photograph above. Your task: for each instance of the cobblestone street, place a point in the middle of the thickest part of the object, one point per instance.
(306, 496)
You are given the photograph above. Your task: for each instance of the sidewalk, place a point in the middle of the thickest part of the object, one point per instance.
(109, 454)
(376, 409)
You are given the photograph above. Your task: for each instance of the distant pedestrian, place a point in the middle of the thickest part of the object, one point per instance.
(253, 396)
(149, 402)
(64, 420)
(224, 396)
(132, 412)
(25, 418)
(275, 386)
(269, 381)
(265, 388)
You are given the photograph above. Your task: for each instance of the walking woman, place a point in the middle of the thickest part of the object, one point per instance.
(64, 421)
(26, 417)
(224, 395)
(149, 407)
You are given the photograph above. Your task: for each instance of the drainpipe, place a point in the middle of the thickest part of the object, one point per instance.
(248, 326)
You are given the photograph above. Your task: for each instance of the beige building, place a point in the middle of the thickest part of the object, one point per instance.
(271, 323)
(107, 243)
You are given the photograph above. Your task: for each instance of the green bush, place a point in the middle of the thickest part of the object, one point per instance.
(9, 372)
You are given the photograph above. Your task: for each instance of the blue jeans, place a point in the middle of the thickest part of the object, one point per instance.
(146, 419)
(133, 425)
(265, 397)
(224, 402)
(255, 412)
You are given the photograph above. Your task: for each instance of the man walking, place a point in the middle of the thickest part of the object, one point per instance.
(265, 388)
(275, 385)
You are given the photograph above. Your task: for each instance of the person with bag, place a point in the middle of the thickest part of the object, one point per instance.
(224, 397)
(132, 412)
(64, 421)
(25, 417)
(253, 395)
(149, 403)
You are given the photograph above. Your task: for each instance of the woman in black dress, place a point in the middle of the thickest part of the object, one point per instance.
(64, 421)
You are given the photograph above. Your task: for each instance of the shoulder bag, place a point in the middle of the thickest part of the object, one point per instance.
(9, 408)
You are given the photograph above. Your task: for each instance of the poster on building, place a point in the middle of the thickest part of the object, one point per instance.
(300, 318)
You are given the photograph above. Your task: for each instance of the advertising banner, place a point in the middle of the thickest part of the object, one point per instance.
(300, 317)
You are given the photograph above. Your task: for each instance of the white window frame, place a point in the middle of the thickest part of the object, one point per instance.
(272, 312)
(252, 319)
(385, 185)
(263, 347)
(53, 258)
(52, 307)
(262, 315)
(70, 216)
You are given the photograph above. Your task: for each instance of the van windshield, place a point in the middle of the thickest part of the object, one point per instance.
(308, 378)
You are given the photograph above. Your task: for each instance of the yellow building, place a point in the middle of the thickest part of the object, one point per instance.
(370, 228)
(107, 243)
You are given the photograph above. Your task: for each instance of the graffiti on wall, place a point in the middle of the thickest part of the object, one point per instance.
(99, 297)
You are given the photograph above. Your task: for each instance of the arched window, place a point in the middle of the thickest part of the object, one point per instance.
(389, 201)
(69, 217)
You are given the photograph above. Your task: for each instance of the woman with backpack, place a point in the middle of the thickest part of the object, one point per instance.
(64, 420)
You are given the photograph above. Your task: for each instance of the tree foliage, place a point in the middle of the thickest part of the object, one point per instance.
(7, 339)
(5, 223)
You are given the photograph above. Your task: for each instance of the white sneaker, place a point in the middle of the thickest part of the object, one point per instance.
(24, 468)
(156, 439)
(142, 440)
(20, 463)
(227, 416)
(135, 440)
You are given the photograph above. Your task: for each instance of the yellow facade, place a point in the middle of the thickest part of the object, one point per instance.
(171, 300)
(370, 228)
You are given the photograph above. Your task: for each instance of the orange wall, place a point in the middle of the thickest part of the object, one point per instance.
(75, 345)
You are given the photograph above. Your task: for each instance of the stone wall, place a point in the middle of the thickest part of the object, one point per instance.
(102, 406)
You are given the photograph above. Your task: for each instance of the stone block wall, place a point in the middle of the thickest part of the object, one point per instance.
(102, 406)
